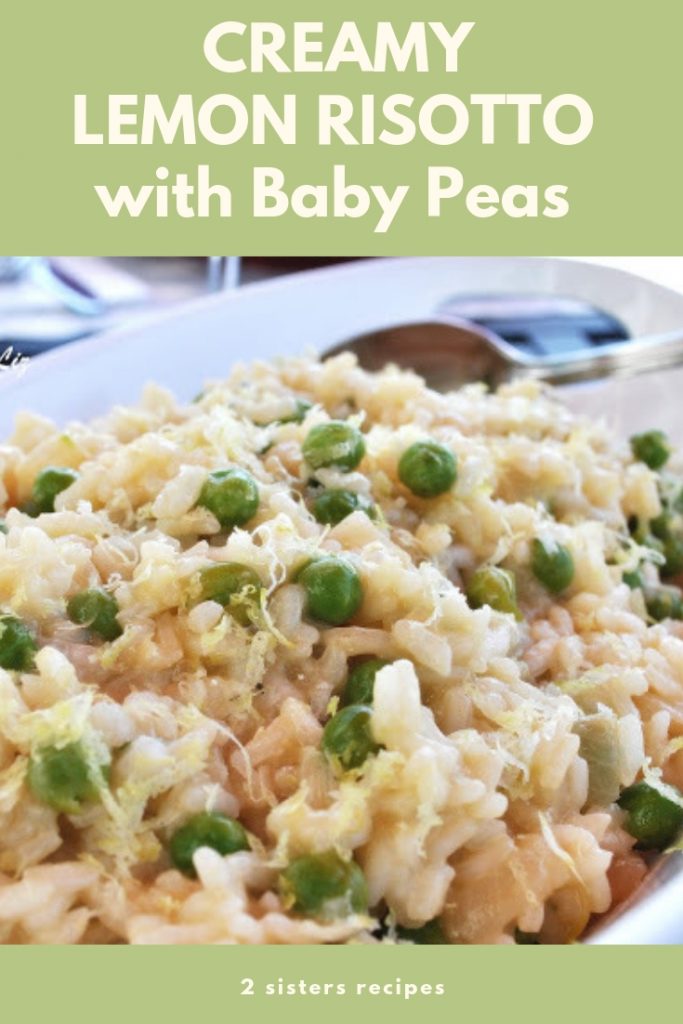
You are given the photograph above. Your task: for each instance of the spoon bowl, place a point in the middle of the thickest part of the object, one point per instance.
(446, 355)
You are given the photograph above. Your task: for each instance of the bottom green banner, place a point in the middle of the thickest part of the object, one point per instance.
(326, 985)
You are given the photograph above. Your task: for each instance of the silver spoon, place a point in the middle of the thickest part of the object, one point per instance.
(449, 351)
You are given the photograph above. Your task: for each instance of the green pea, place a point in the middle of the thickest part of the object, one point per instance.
(360, 685)
(335, 443)
(662, 525)
(17, 644)
(651, 447)
(333, 589)
(552, 565)
(226, 583)
(208, 828)
(347, 738)
(324, 885)
(633, 578)
(3, 526)
(231, 495)
(667, 530)
(651, 817)
(97, 610)
(673, 556)
(427, 469)
(332, 506)
(430, 934)
(490, 585)
(48, 484)
(62, 778)
(664, 603)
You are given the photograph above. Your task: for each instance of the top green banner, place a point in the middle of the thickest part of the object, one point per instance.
(483, 127)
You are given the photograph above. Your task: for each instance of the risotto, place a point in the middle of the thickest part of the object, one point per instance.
(325, 657)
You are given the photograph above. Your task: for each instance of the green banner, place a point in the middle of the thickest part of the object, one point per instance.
(336, 985)
(514, 128)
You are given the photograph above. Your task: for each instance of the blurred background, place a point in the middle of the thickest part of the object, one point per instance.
(49, 301)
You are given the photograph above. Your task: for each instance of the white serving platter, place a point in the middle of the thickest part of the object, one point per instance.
(314, 310)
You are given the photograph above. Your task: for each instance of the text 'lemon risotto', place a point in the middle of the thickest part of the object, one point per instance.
(325, 656)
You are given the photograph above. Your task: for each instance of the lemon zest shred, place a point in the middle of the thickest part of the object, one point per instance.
(270, 625)
(559, 851)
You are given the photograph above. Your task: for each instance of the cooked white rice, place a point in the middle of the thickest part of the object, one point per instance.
(475, 811)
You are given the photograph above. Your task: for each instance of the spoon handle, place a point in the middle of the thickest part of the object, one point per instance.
(642, 355)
